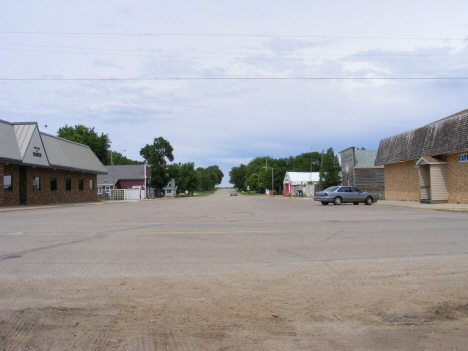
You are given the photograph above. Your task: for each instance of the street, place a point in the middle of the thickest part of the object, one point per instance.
(233, 273)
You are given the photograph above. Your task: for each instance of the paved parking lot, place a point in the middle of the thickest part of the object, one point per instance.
(245, 272)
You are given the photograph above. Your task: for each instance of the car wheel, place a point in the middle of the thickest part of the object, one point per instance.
(324, 202)
(337, 201)
(369, 201)
(355, 203)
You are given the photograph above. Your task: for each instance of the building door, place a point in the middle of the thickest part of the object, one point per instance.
(23, 185)
(433, 180)
(425, 183)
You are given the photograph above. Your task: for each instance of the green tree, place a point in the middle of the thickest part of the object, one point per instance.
(119, 159)
(99, 144)
(330, 170)
(218, 172)
(189, 178)
(208, 178)
(237, 176)
(157, 155)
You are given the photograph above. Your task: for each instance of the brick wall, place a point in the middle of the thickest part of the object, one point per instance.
(8, 198)
(457, 179)
(45, 195)
(401, 181)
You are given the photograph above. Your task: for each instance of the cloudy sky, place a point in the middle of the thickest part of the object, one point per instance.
(226, 81)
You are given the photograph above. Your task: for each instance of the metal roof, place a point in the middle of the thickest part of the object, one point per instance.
(303, 177)
(123, 172)
(24, 133)
(17, 141)
(9, 149)
(66, 154)
(364, 158)
(445, 136)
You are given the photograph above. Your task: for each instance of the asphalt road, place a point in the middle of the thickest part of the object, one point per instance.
(233, 273)
(217, 234)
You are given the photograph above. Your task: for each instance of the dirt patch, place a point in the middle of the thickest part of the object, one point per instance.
(330, 306)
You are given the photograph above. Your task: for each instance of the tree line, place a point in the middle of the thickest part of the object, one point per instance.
(158, 155)
(257, 175)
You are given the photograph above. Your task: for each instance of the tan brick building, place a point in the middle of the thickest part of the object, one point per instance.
(38, 168)
(428, 164)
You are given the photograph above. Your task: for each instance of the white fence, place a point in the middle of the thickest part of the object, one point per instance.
(129, 194)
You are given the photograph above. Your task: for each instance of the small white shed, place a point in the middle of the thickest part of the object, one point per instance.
(170, 189)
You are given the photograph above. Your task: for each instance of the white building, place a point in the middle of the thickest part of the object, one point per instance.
(304, 181)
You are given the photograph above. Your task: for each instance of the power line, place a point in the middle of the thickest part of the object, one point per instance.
(228, 53)
(231, 35)
(303, 58)
(233, 78)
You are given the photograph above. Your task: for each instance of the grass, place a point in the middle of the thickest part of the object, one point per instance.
(205, 193)
(249, 193)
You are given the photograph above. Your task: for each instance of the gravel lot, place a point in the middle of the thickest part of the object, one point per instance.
(233, 273)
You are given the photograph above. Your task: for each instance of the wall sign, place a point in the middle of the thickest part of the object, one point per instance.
(463, 158)
(36, 152)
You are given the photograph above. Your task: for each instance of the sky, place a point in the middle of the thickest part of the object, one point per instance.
(227, 81)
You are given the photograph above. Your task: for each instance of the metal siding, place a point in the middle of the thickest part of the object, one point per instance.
(8, 144)
(439, 183)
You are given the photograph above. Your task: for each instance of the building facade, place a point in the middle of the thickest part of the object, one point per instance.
(303, 181)
(125, 177)
(428, 164)
(358, 169)
(38, 168)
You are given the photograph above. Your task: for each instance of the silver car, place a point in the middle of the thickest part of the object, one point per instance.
(342, 194)
(233, 193)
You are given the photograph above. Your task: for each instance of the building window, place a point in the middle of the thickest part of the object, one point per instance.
(108, 189)
(36, 183)
(67, 184)
(99, 189)
(168, 191)
(80, 184)
(53, 184)
(8, 182)
(91, 184)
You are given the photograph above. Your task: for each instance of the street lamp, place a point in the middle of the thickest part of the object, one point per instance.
(112, 166)
(272, 181)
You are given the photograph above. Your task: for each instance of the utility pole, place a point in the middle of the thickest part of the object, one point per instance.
(322, 161)
(113, 183)
(258, 183)
(272, 182)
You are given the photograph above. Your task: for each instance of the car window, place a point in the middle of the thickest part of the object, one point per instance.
(353, 190)
(331, 189)
(343, 190)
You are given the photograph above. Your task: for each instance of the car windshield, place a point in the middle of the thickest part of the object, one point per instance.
(332, 188)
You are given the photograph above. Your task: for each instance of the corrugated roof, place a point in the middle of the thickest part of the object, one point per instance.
(69, 155)
(445, 136)
(364, 158)
(122, 172)
(9, 149)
